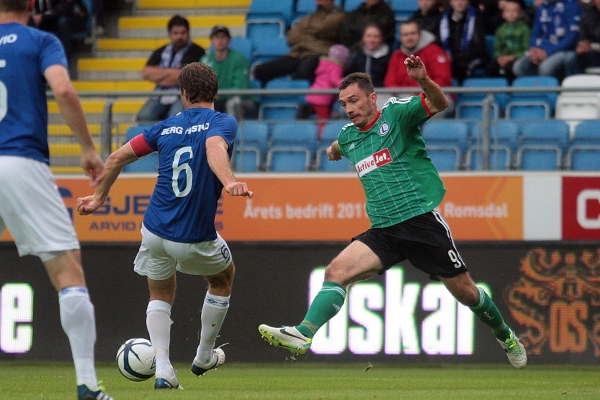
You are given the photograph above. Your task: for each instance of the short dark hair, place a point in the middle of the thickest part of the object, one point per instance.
(411, 21)
(178, 20)
(362, 79)
(199, 82)
(519, 2)
(14, 5)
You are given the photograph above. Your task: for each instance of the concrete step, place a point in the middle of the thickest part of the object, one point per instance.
(191, 7)
(200, 25)
(113, 86)
(191, 4)
(141, 44)
(124, 110)
(129, 69)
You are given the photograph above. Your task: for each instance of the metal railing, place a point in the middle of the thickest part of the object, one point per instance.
(110, 97)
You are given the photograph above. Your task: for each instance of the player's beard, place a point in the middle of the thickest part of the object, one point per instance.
(365, 117)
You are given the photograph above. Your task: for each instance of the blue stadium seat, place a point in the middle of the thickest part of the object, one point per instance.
(446, 133)
(277, 111)
(489, 46)
(469, 105)
(285, 83)
(446, 142)
(504, 140)
(282, 10)
(403, 9)
(257, 29)
(244, 46)
(532, 105)
(288, 159)
(328, 135)
(253, 134)
(445, 158)
(246, 159)
(147, 163)
(542, 145)
(325, 165)
(584, 150)
(330, 131)
(301, 134)
(502, 132)
(351, 5)
(292, 146)
(268, 47)
(500, 158)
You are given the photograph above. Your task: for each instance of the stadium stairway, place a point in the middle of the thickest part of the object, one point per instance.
(117, 63)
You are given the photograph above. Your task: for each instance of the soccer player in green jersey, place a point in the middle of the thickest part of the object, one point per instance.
(402, 189)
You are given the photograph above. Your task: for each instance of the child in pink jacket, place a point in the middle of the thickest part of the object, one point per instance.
(328, 75)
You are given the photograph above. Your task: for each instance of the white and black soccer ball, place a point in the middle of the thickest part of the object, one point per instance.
(135, 360)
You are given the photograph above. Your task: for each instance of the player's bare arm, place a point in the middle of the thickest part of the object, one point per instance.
(71, 110)
(434, 96)
(333, 152)
(113, 167)
(218, 160)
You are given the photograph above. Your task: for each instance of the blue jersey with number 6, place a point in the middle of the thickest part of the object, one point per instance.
(25, 53)
(184, 203)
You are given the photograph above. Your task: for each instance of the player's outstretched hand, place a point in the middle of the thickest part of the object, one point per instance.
(415, 67)
(87, 205)
(238, 189)
(333, 153)
(92, 166)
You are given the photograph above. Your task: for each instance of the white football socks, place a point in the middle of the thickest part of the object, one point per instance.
(158, 322)
(79, 323)
(214, 310)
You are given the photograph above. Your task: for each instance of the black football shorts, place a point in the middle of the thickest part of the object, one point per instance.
(424, 240)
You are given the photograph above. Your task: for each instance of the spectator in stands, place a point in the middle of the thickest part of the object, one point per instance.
(588, 47)
(428, 16)
(100, 28)
(232, 71)
(462, 35)
(163, 68)
(553, 40)
(421, 43)
(328, 75)
(511, 40)
(374, 56)
(61, 17)
(356, 20)
(309, 39)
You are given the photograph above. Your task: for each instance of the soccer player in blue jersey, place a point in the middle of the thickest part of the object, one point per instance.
(402, 188)
(31, 207)
(178, 233)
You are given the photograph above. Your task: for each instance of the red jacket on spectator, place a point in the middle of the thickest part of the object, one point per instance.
(437, 62)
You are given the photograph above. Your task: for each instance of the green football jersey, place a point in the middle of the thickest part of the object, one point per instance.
(397, 175)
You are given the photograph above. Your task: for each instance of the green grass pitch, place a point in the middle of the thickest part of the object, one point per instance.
(299, 380)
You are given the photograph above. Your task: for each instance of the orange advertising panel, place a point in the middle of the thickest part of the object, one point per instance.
(303, 208)
(484, 207)
(283, 208)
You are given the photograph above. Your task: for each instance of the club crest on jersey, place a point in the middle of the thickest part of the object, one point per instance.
(373, 162)
(384, 129)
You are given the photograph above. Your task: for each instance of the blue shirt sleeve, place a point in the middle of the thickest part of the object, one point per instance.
(52, 53)
(226, 126)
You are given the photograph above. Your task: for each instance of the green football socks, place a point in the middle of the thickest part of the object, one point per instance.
(489, 314)
(325, 306)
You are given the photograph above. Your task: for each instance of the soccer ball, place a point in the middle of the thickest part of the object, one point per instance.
(135, 360)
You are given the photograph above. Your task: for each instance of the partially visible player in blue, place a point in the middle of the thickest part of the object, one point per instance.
(178, 233)
(30, 205)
